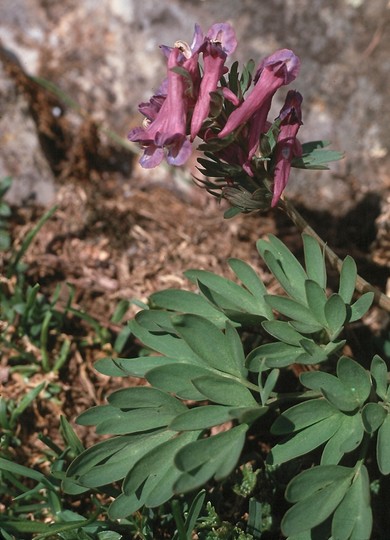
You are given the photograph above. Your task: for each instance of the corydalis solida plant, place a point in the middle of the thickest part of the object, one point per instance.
(162, 444)
(210, 102)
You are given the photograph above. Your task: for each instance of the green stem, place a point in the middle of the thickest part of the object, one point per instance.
(362, 286)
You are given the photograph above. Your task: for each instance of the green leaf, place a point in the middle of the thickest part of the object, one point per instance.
(314, 157)
(120, 311)
(348, 437)
(270, 383)
(235, 348)
(212, 415)
(316, 300)
(210, 343)
(178, 379)
(251, 280)
(121, 339)
(285, 267)
(348, 275)
(332, 388)
(188, 302)
(26, 402)
(314, 261)
(373, 416)
(294, 310)
(352, 519)
(361, 306)
(211, 457)
(150, 481)
(194, 511)
(314, 353)
(136, 367)
(225, 391)
(21, 470)
(201, 418)
(109, 535)
(247, 415)
(354, 377)
(302, 416)
(283, 331)
(227, 294)
(383, 445)
(304, 441)
(335, 314)
(139, 397)
(133, 410)
(310, 481)
(231, 212)
(379, 374)
(70, 436)
(111, 460)
(315, 505)
(276, 355)
(159, 339)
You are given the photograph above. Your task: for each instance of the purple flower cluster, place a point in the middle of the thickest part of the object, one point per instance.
(176, 114)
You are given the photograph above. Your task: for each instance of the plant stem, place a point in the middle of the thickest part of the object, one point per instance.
(362, 286)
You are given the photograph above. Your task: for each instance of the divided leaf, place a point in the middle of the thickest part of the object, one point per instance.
(109, 461)
(211, 457)
(347, 437)
(317, 492)
(305, 440)
(188, 302)
(285, 267)
(346, 392)
(150, 481)
(217, 350)
(352, 519)
(235, 301)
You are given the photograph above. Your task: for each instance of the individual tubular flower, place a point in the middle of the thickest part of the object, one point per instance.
(166, 132)
(256, 126)
(189, 60)
(277, 70)
(219, 42)
(287, 146)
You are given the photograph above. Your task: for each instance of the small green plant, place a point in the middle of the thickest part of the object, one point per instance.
(161, 446)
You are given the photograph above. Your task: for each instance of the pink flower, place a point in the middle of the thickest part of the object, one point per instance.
(257, 125)
(219, 42)
(275, 71)
(166, 131)
(288, 145)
